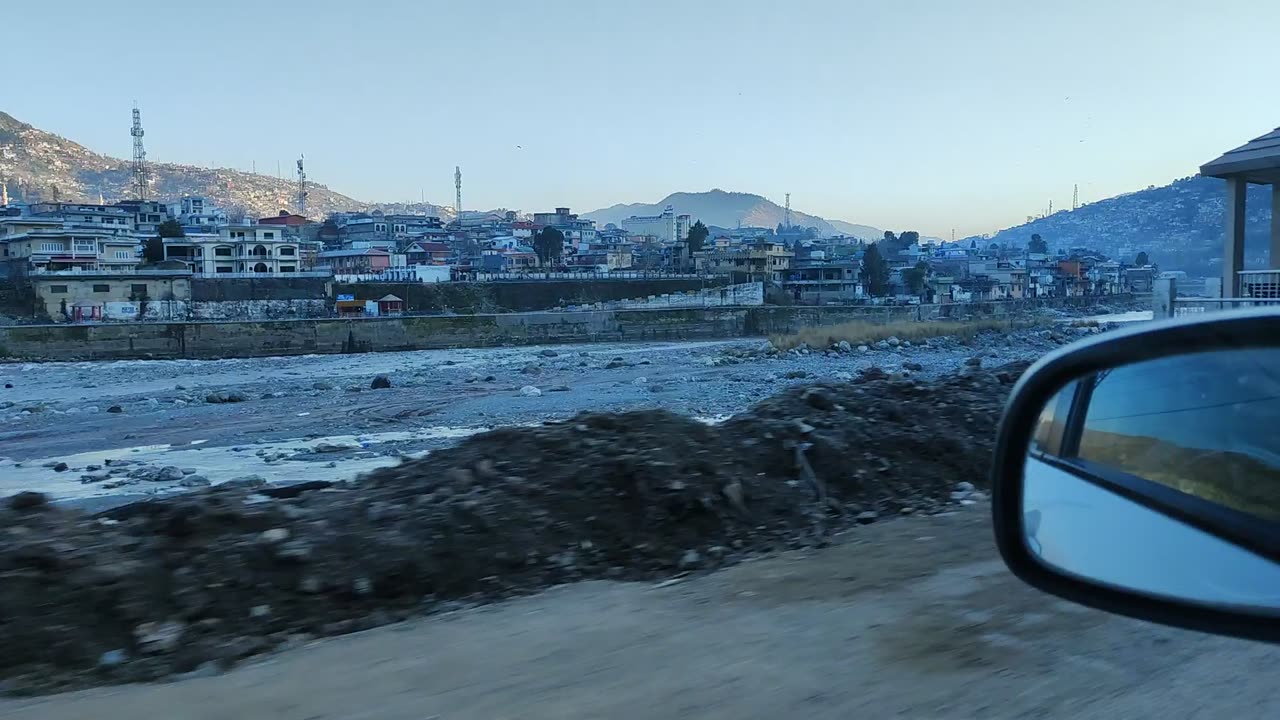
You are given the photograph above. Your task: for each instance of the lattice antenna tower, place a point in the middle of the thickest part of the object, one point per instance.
(457, 198)
(139, 157)
(302, 186)
(1075, 197)
(788, 211)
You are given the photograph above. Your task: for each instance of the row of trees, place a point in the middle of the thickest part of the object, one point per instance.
(874, 274)
(1037, 244)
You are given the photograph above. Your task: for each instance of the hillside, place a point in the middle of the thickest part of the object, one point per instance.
(730, 209)
(1179, 225)
(37, 164)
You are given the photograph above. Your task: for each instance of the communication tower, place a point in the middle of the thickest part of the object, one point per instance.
(302, 187)
(139, 158)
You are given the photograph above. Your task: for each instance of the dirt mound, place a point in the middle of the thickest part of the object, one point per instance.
(202, 580)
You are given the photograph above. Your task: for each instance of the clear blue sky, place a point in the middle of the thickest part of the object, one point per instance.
(908, 114)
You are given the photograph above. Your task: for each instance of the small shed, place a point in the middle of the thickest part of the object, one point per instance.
(350, 308)
(390, 305)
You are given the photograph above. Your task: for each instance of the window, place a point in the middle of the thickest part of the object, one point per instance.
(287, 252)
(101, 288)
(288, 268)
(222, 252)
(51, 247)
(123, 255)
(398, 227)
(269, 235)
(223, 269)
(58, 289)
(138, 289)
(380, 227)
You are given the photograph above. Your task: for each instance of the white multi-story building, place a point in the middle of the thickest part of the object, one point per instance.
(236, 249)
(69, 236)
(667, 227)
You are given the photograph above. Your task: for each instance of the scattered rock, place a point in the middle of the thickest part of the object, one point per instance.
(531, 369)
(795, 374)
(115, 409)
(866, 517)
(558, 388)
(322, 385)
(159, 637)
(818, 398)
(381, 382)
(224, 396)
(893, 341)
(974, 362)
(690, 560)
(28, 500)
(863, 349)
(616, 363)
(530, 391)
(193, 481)
(333, 447)
(60, 467)
(913, 366)
(844, 346)
(873, 373)
(548, 353)
(168, 473)
(882, 345)
(640, 380)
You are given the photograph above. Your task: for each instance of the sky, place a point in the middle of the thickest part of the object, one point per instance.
(928, 115)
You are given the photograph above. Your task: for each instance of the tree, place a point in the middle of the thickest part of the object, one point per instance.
(909, 237)
(697, 237)
(171, 229)
(1142, 260)
(549, 245)
(915, 277)
(1037, 244)
(153, 251)
(874, 274)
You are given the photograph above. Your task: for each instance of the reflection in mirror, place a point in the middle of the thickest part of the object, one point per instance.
(1147, 476)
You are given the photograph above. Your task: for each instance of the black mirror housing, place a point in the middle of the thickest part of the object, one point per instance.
(1217, 528)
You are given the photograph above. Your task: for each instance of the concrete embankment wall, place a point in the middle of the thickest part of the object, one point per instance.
(296, 337)
(516, 295)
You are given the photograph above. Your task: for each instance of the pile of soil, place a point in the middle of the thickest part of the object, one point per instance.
(200, 581)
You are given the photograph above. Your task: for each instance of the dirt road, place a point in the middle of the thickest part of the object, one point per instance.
(914, 617)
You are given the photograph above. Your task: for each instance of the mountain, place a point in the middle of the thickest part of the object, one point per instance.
(38, 164)
(730, 209)
(1180, 226)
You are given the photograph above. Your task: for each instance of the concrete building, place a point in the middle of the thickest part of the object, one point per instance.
(355, 262)
(86, 237)
(667, 227)
(92, 296)
(823, 282)
(1257, 162)
(237, 249)
(198, 212)
(576, 231)
(763, 260)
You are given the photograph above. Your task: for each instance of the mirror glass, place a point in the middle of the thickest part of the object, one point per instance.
(1163, 477)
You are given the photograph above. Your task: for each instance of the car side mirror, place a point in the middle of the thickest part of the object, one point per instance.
(1138, 472)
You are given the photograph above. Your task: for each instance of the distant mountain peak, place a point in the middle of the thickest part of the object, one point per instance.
(727, 209)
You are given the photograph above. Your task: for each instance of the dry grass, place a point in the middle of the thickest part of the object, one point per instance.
(862, 332)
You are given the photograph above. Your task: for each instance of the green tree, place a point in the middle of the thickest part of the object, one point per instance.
(1142, 260)
(697, 236)
(153, 251)
(1037, 244)
(548, 244)
(874, 274)
(915, 277)
(909, 237)
(171, 229)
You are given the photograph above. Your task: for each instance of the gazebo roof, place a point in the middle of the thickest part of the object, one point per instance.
(390, 298)
(1257, 161)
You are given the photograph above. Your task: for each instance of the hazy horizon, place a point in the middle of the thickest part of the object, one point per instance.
(910, 115)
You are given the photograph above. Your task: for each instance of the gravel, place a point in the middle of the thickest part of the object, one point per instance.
(172, 585)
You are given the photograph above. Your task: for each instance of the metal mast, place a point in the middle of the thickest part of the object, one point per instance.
(302, 187)
(457, 199)
(139, 158)
(1075, 197)
(788, 215)
(4, 191)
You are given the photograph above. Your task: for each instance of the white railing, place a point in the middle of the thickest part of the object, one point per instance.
(261, 275)
(121, 270)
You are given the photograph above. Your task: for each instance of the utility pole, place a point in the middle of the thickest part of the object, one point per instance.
(302, 186)
(139, 157)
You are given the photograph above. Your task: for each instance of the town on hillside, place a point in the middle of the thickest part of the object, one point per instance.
(144, 260)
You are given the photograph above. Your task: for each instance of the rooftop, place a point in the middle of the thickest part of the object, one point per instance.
(1257, 161)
